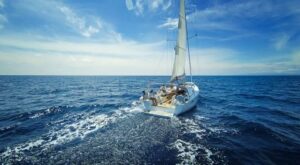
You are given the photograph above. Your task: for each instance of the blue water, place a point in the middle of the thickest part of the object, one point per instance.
(89, 120)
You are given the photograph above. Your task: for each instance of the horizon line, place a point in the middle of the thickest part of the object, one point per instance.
(149, 75)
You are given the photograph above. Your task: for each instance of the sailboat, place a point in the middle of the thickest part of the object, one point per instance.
(178, 96)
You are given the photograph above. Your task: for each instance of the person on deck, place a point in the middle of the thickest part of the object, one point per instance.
(153, 98)
(145, 95)
(180, 91)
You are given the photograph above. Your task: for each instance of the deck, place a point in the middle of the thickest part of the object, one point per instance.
(162, 111)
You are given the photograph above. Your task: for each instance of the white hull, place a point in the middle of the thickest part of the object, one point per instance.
(180, 109)
(182, 97)
(176, 108)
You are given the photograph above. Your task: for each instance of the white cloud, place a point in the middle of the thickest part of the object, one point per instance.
(91, 28)
(208, 66)
(80, 23)
(170, 23)
(152, 5)
(296, 58)
(46, 56)
(68, 64)
(211, 60)
(118, 49)
(281, 41)
(225, 38)
(217, 17)
(139, 7)
(235, 16)
(167, 5)
(222, 61)
(263, 19)
(36, 56)
(129, 4)
(2, 21)
(232, 9)
(3, 18)
(1, 3)
(77, 20)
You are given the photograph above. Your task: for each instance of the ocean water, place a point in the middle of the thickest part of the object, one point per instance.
(89, 120)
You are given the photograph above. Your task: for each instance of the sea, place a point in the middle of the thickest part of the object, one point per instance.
(99, 120)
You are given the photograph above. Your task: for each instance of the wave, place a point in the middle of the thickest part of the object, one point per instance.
(64, 132)
(35, 114)
(270, 98)
(49, 111)
(188, 151)
(8, 128)
(56, 110)
(267, 111)
(191, 145)
(47, 91)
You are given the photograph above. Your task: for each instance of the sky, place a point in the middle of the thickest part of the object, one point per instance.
(137, 37)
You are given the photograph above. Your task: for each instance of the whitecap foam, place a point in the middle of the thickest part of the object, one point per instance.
(46, 112)
(80, 128)
(37, 115)
(187, 151)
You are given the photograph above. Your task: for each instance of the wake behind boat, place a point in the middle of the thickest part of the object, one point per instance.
(179, 96)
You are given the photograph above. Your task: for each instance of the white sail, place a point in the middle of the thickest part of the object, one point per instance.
(171, 101)
(180, 49)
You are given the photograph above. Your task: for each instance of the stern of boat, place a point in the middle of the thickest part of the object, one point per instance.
(193, 91)
(172, 104)
(147, 104)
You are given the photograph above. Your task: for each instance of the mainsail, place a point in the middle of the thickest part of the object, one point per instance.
(180, 49)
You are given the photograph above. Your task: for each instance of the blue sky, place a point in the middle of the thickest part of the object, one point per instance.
(136, 37)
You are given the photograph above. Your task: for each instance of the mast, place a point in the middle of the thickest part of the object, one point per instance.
(188, 48)
(180, 49)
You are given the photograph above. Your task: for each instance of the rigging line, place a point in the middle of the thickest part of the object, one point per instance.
(171, 56)
(167, 69)
(188, 47)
